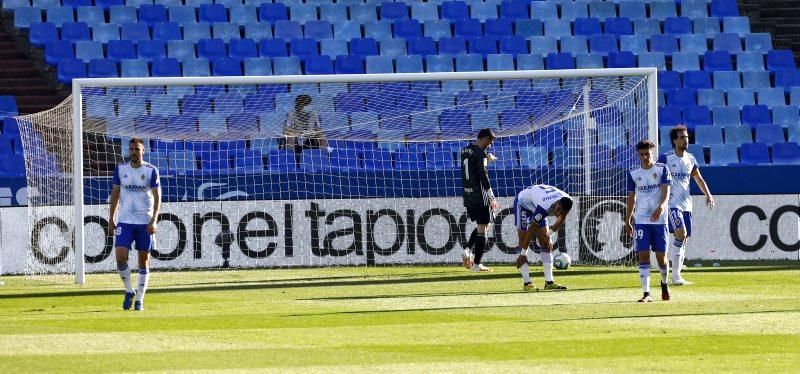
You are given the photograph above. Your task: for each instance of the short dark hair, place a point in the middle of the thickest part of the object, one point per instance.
(137, 141)
(566, 203)
(486, 133)
(673, 133)
(645, 144)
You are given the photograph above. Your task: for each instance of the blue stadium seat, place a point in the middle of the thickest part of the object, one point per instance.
(349, 65)
(379, 65)
(786, 153)
(135, 31)
(634, 43)
(727, 116)
(740, 98)
(471, 62)
(244, 14)
(738, 135)
(318, 65)
(106, 4)
(621, 59)
(724, 8)
(483, 45)
(120, 14)
(152, 14)
(618, 26)
(785, 115)
(530, 62)
(545, 10)
(498, 28)
(288, 30)
(363, 47)
(452, 45)
(318, 30)
(211, 49)
(69, 69)
(755, 153)
(571, 10)
(166, 67)
(41, 33)
(167, 31)
(469, 28)
(75, 31)
(587, 26)
(58, 50)
(758, 42)
(769, 134)
(726, 80)
(787, 79)
(602, 9)
(632, 9)
(257, 66)
(196, 31)
(780, 60)
(282, 161)
(513, 45)
(242, 48)
(377, 159)
(393, 47)
(422, 46)
(363, 13)
(226, 31)
(771, 97)
(693, 43)
(668, 80)
(303, 48)
(794, 134)
(437, 29)
(513, 9)
(455, 121)
(483, 11)
(196, 67)
(272, 12)
(694, 116)
(723, 154)
(424, 12)
(59, 14)
(303, 13)
(668, 44)
(697, 79)
(653, 59)
(102, 68)
(575, 45)
(669, 116)
(393, 11)
(710, 97)
(717, 61)
(560, 61)
(646, 27)
(272, 48)
(409, 64)
(439, 63)
(756, 79)
(708, 135)
(405, 28)
(542, 45)
(226, 66)
(182, 14)
(333, 47)
(754, 115)
(180, 49)
(454, 10)
(24, 17)
(706, 26)
(131, 68)
(677, 25)
(557, 28)
(528, 27)
(750, 61)
(737, 25)
(587, 61)
(728, 42)
(602, 44)
(151, 49)
(257, 31)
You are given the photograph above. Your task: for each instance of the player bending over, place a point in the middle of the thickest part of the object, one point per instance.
(478, 197)
(531, 208)
(137, 194)
(648, 191)
(682, 165)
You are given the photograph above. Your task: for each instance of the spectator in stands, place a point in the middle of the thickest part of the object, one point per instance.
(302, 129)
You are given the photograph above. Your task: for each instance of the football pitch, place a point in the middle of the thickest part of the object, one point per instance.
(405, 319)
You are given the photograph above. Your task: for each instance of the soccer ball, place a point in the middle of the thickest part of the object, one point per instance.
(562, 261)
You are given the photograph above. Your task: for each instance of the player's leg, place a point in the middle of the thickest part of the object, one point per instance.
(144, 243)
(480, 245)
(525, 234)
(659, 244)
(466, 257)
(123, 238)
(547, 263)
(678, 248)
(642, 235)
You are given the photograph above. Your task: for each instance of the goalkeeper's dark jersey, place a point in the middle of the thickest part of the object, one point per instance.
(475, 177)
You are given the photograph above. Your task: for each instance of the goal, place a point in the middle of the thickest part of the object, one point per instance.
(379, 185)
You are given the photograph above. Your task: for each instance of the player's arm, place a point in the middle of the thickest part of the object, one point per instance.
(557, 225)
(483, 176)
(114, 204)
(629, 204)
(698, 178)
(155, 189)
(666, 180)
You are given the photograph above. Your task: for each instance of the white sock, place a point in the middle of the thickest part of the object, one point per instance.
(547, 265)
(144, 276)
(664, 271)
(466, 253)
(676, 254)
(125, 275)
(525, 271)
(644, 276)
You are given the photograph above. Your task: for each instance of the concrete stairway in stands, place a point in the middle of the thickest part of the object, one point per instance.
(781, 18)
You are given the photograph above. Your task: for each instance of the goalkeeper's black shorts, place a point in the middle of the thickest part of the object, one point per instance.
(480, 214)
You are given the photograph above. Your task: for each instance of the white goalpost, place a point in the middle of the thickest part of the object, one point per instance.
(382, 187)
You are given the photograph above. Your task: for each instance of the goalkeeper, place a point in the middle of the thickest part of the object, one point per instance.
(478, 196)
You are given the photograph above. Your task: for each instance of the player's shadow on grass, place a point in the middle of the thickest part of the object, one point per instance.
(458, 294)
(662, 315)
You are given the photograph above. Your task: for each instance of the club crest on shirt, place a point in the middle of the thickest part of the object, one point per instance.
(143, 176)
(655, 175)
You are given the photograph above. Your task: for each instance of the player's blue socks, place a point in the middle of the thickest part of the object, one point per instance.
(125, 275)
(677, 252)
(547, 265)
(144, 276)
(644, 276)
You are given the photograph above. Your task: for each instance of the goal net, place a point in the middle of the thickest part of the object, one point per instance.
(249, 180)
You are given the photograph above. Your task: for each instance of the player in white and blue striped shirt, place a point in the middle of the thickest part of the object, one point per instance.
(682, 165)
(648, 191)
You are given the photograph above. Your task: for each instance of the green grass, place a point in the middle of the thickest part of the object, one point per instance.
(407, 319)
